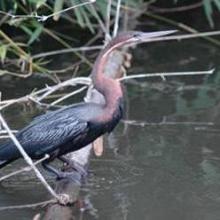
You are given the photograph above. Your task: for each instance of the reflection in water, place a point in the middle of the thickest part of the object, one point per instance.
(165, 169)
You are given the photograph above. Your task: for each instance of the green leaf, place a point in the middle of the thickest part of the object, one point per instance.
(3, 6)
(78, 13)
(26, 30)
(58, 5)
(15, 6)
(101, 5)
(3, 52)
(40, 3)
(208, 11)
(87, 19)
(217, 3)
(79, 17)
(35, 34)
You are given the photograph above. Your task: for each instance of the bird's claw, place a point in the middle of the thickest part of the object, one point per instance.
(79, 168)
(73, 176)
(75, 166)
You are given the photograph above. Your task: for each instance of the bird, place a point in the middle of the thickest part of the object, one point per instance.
(71, 128)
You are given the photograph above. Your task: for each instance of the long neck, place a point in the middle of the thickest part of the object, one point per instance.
(109, 88)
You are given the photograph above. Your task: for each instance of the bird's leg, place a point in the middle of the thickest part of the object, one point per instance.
(75, 165)
(60, 174)
(50, 169)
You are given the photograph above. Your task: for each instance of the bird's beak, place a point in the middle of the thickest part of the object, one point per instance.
(146, 36)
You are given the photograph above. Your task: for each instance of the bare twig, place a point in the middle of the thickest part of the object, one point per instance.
(98, 47)
(185, 36)
(24, 169)
(117, 16)
(7, 103)
(107, 21)
(45, 17)
(20, 52)
(184, 27)
(44, 203)
(74, 81)
(165, 123)
(67, 50)
(162, 75)
(68, 95)
(6, 72)
(39, 95)
(42, 94)
(4, 136)
(5, 132)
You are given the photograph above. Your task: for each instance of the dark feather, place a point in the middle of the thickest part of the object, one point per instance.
(4, 163)
(63, 131)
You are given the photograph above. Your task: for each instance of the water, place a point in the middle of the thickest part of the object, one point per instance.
(166, 165)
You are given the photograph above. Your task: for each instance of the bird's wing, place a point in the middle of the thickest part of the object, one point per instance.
(58, 112)
(44, 116)
(45, 137)
(50, 131)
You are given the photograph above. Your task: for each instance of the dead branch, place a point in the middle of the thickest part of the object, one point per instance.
(38, 96)
(66, 50)
(25, 169)
(32, 205)
(28, 159)
(70, 187)
(117, 16)
(45, 17)
(164, 122)
(163, 75)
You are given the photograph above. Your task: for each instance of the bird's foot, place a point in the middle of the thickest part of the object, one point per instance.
(76, 166)
(73, 176)
(73, 171)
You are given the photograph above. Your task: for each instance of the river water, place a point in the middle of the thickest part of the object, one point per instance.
(163, 161)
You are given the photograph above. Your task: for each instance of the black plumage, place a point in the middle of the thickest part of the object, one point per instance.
(60, 132)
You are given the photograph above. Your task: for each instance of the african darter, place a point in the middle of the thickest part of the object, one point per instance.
(68, 129)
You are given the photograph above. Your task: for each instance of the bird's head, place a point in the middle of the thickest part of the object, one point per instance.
(132, 37)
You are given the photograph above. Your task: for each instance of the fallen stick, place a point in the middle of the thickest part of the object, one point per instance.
(81, 157)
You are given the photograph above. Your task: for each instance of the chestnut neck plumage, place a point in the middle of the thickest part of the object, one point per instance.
(109, 88)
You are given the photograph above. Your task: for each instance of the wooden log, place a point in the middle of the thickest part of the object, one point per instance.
(71, 187)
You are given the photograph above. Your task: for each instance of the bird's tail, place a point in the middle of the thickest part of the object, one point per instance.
(7, 153)
(4, 163)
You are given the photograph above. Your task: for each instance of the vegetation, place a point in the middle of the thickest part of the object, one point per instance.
(24, 22)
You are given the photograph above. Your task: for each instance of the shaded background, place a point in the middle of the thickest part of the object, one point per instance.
(166, 165)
